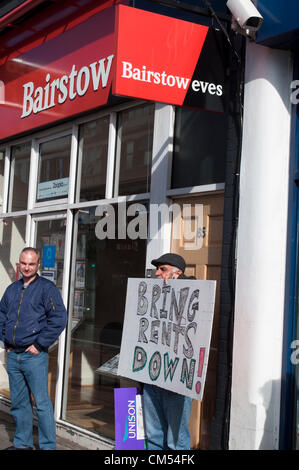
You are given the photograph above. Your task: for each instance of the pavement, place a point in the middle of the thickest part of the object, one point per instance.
(7, 429)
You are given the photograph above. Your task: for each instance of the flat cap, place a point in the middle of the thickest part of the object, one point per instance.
(172, 259)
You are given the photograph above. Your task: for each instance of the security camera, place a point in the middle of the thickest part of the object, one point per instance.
(246, 15)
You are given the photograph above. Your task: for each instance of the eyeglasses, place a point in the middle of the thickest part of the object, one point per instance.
(162, 268)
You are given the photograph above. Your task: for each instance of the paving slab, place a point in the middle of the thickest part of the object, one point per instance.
(7, 429)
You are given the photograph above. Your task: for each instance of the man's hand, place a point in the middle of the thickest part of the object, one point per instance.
(169, 275)
(32, 349)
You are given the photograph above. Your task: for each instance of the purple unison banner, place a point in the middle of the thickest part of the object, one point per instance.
(128, 420)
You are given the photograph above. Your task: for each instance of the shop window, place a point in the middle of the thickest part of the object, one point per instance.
(19, 177)
(100, 272)
(199, 148)
(12, 241)
(134, 150)
(2, 158)
(92, 161)
(54, 167)
(50, 238)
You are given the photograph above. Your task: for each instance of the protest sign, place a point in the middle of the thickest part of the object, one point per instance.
(166, 334)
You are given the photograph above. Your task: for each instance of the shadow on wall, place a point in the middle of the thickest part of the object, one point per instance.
(269, 418)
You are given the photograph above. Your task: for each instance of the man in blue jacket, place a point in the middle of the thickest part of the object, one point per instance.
(32, 316)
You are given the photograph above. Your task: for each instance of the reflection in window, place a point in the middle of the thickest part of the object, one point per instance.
(101, 269)
(134, 150)
(199, 148)
(12, 241)
(19, 177)
(93, 148)
(52, 233)
(54, 167)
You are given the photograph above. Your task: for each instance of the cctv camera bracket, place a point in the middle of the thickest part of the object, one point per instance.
(251, 35)
(214, 15)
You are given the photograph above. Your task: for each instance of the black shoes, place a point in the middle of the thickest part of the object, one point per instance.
(18, 448)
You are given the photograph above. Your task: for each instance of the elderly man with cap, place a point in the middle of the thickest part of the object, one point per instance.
(166, 414)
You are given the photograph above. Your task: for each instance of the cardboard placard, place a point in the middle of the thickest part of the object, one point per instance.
(167, 332)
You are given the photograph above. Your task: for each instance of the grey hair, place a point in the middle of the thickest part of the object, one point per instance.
(31, 248)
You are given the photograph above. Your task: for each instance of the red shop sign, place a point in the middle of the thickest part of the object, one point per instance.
(136, 54)
(66, 75)
(169, 60)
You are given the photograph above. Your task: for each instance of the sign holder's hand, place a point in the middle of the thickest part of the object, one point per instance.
(167, 276)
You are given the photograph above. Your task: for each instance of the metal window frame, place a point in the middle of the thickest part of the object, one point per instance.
(11, 182)
(44, 140)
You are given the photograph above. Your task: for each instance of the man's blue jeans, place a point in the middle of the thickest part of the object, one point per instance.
(166, 419)
(29, 372)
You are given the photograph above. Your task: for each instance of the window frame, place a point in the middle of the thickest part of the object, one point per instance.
(34, 186)
(11, 183)
(110, 154)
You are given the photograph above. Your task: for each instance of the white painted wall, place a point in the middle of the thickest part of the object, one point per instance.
(261, 250)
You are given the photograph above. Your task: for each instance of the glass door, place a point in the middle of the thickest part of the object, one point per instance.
(99, 273)
(49, 236)
(203, 263)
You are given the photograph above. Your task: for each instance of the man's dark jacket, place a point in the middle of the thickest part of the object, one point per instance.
(32, 315)
(183, 276)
